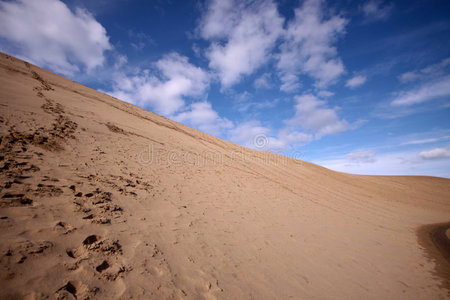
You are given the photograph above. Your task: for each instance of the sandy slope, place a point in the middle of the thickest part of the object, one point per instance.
(102, 199)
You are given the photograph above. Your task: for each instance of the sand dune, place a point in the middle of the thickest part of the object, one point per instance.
(101, 199)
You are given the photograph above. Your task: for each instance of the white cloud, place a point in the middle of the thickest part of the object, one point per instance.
(245, 133)
(47, 33)
(430, 71)
(139, 39)
(356, 81)
(290, 82)
(120, 61)
(253, 135)
(289, 139)
(308, 47)
(357, 157)
(242, 33)
(241, 97)
(313, 114)
(436, 153)
(409, 76)
(165, 93)
(202, 117)
(425, 141)
(427, 92)
(437, 68)
(375, 10)
(394, 163)
(244, 106)
(325, 94)
(166, 88)
(263, 82)
(419, 138)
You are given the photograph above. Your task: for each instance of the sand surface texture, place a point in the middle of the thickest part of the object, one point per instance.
(102, 199)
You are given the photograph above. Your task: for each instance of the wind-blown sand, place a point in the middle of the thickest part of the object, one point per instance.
(101, 199)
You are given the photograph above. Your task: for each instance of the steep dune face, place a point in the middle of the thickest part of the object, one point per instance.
(101, 199)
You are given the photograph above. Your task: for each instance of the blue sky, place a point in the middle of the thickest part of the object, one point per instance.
(356, 86)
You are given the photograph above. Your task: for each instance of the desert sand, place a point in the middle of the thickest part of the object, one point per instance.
(101, 199)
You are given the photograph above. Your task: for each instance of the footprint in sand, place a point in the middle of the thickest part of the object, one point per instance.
(64, 227)
(102, 267)
(97, 206)
(20, 251)
(48, 190)
(101, 253)
(15, 200)
(96, 243)
(103, 245)
(75, 290)
(110, 271)
(50, 106)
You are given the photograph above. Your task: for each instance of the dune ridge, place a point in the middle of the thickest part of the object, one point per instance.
(102, 199)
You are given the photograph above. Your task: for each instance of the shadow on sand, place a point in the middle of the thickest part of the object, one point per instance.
(435, 240)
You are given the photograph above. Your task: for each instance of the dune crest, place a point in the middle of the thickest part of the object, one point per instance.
(102, 199)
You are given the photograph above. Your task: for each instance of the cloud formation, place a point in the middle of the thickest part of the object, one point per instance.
(356, 81)
(242, 35)
(392, 163)
(313, 114)
(202, 116)
(425, 141)
(367, 156)
(429, 91)
(48, 33)
(308, 47)
(254, 135)
(263, 82)
(245, 133)
(428, 72)
(436, 153)
(164, 90)
(377, 10)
